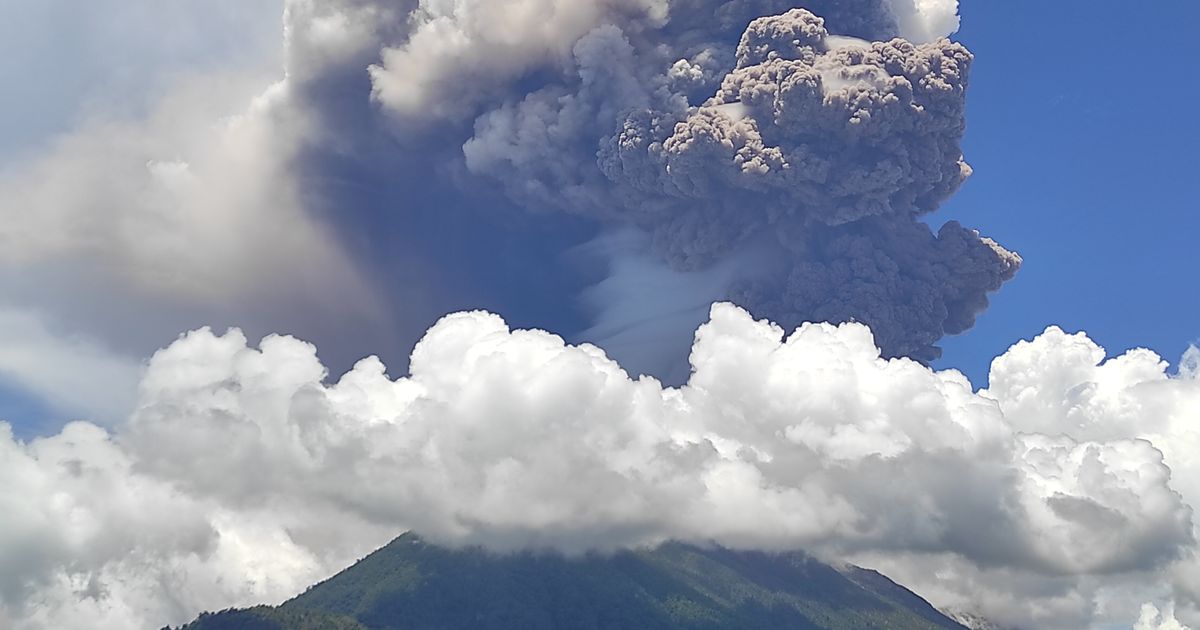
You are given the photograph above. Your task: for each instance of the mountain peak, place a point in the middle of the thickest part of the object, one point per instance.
(412, 584)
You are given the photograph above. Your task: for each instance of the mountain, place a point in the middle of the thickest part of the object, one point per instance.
(413, 585)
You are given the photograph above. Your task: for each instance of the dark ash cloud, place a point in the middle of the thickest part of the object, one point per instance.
(833, 146)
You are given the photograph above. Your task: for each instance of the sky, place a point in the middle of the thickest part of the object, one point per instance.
(1085, 170)
(213, 211)
(71, 60)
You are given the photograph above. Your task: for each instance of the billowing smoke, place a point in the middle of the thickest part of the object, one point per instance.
(833, 146)
(244, 475)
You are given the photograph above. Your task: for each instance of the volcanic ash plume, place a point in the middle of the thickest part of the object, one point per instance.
(829, 146)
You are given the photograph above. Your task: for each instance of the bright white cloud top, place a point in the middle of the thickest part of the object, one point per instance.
(244, 475)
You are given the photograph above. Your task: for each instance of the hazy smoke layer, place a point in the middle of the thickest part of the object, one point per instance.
(244, 476)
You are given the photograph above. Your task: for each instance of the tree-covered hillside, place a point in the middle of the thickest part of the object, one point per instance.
(412, 585)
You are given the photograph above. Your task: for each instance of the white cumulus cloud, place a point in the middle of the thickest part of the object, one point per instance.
(245, 473)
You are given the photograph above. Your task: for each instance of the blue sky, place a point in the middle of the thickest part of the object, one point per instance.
(1085, 164)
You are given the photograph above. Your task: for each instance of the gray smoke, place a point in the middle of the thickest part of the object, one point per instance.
(832, 145)
(865, 19)
(911, 286)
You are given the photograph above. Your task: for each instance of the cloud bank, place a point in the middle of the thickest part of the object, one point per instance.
(245, 474)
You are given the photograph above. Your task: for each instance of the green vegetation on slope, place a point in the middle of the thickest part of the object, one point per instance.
(267, 618)
(411, 585)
